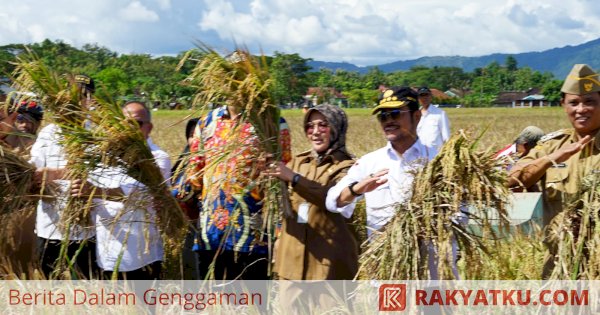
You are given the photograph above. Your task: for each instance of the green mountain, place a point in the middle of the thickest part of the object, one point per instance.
(557, 61)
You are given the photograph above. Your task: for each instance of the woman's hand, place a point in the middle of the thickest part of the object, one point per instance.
(279, 170)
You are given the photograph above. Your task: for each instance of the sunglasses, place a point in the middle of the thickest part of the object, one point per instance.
(393, 114)
(322, 126)
(140, 123)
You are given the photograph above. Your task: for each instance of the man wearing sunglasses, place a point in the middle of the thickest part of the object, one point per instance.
(385, 176)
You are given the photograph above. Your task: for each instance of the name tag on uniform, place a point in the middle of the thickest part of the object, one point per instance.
(559, 165)
(303, 212)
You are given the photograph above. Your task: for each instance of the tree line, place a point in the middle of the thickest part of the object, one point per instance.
(128, 76)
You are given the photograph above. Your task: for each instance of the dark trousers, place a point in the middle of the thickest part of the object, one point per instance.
(230, 265)
(82, 252)
(148, 272)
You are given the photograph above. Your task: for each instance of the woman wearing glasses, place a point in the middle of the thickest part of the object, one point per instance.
(316, 244)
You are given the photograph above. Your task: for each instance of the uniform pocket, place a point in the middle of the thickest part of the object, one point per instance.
(556, 176)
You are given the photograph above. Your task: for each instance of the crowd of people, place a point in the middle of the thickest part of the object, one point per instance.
(315, 240)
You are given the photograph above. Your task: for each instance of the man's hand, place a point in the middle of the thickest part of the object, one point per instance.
(80, 188)
(371, 182)
(569, 150)
(366, 185)
(47, 174)
(526, 175)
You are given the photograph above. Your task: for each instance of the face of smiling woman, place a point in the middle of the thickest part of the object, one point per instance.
(583, 112)
(318, 132)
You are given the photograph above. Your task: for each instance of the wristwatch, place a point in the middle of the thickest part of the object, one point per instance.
(351, 187)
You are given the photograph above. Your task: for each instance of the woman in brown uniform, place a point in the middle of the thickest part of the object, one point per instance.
(316, 244)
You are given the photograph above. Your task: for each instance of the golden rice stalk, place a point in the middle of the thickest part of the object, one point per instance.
(16, 178)
(243, 82)
(516, 256)
(63, 99)
(459, 183)
(101, 137)
(573, 236)
(115, 141)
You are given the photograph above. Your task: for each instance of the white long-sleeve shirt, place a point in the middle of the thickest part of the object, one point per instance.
(127, 231)
(434, 128)
(48, 152)
(381, 202)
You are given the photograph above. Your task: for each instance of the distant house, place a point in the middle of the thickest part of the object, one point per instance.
(518, 99)
(438, 96)
(317, 95)
(457, 93)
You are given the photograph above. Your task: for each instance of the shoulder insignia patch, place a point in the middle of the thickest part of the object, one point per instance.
(552, 135)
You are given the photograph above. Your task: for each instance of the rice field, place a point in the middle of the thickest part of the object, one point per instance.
(502, 125)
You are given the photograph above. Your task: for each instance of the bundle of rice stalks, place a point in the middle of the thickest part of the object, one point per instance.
(242, 81)
(573, 236)
(62, 98)
(101, 137)
(458, 184)
(16, 178)
(114, 140)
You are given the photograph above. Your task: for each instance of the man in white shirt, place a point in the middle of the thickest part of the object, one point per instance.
(385, 176)
(128, 240)
(48, 155)
(434, 127)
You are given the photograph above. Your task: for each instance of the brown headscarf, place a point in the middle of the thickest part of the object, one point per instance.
(338, 122)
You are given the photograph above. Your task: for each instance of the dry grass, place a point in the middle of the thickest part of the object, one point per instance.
(364, 134)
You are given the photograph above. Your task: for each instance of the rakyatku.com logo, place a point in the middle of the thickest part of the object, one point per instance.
(392, 297)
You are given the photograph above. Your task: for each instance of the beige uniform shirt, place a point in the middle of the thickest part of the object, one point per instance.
(562, 180)
(322, 248)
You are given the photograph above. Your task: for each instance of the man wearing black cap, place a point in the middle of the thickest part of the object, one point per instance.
(434, 127)
(385, 176)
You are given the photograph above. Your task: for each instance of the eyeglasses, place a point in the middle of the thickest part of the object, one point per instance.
(393, 114)
(321, 125)
(140, 123)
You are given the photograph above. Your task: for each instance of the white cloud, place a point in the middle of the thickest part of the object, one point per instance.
(358, 31)
(137, 12)
(164, 4)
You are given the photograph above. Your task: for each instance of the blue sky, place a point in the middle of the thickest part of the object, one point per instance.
(363, 32)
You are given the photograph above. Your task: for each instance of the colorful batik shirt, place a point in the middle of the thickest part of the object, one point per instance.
(224, 168)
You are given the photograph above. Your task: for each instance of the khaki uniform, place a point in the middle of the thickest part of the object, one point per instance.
(563, 179)
(324, 248)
